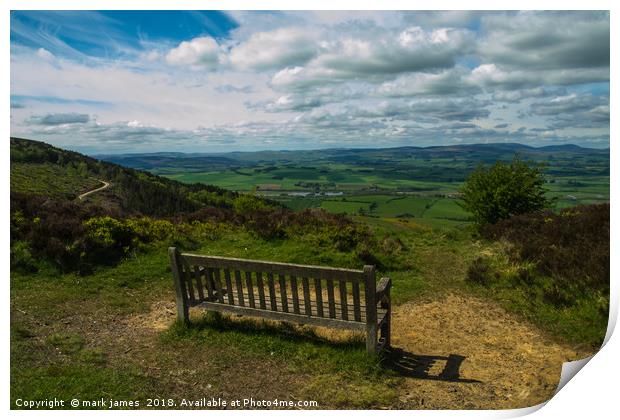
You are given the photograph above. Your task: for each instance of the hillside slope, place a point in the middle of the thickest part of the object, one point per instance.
(41, 169)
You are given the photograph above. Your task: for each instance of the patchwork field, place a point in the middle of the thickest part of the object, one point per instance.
(419, 183)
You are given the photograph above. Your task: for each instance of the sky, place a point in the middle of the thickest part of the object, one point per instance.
(208, 81)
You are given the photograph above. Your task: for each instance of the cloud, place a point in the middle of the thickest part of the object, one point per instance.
(199, 52)
(317, 79)
(276, 49)
(543, 41)
(586, 111)
(493, 76)
(377, 51)
(288, 103)
(45, 54)
(426, 110)
(444, 18)
(58, 119)
(234, 89)
(449, 82)
(374, 54)
(518, 95)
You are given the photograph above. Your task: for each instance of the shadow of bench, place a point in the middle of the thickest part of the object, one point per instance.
(419, 366)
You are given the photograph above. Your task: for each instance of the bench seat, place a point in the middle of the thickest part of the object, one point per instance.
(304, 294)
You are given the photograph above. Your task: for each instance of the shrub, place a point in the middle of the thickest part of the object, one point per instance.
(479, 272)
(148, 230)
(21, 257)
(502, 191)
(247, 203)
(571, 247)
(106, 240)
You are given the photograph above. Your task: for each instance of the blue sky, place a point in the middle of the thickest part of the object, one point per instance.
(208, 81)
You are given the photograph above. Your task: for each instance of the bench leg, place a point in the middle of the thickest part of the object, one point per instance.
(179, 286)
(183, 314)
(371, 338)
(385, 328)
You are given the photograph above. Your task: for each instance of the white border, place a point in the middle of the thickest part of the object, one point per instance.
(592, 393)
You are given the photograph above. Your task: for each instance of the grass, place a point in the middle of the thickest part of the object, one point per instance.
(504, 280)
(354, 380)
(69, 333)
(49, 179)
(62, 367)
(55, 341)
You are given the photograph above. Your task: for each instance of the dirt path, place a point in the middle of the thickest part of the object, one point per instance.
(497, 361)
(105, 185)
(458, 352)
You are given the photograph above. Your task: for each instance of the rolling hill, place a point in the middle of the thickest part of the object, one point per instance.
(38, 168)
(164, 163)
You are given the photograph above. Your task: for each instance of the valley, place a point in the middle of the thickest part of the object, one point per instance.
(409, 182)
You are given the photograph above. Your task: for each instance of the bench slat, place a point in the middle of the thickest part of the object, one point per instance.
(298, 270)
(342, 287)
(187, 276)
(272, 292)
(306, 287)
(283, 295)
(218, 285)
(210, 283)
(319, 297)
(240, 298)
(284, 316)
(295, 293)
(197, 273)
(261, 290)
(356, 302)
(380, 312)
(250, 287)
(229, 290)
(330, 298)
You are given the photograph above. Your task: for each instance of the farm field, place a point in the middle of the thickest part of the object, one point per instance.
(416, 183)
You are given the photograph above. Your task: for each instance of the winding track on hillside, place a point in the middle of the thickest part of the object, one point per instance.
(105, 185)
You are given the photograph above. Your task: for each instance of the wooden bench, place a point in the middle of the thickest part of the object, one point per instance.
(305, 294)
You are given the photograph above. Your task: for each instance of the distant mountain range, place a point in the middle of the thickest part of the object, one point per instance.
(221, 161)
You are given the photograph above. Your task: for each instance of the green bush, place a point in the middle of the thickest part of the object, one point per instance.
(107, 240)
(148, 229)
(21, 257)
(502, 191)
(246, 203)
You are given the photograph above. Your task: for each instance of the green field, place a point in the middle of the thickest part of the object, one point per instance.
(417, 183)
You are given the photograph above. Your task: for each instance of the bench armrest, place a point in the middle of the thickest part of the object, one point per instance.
(383, 288)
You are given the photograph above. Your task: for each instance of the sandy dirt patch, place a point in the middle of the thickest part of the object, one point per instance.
(465, 352)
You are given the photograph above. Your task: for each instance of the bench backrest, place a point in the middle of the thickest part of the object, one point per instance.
(314, 291)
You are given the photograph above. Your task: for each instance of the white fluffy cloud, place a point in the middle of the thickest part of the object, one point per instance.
(454, 81)
(199, 52)
(275, 49)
